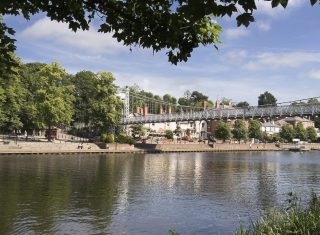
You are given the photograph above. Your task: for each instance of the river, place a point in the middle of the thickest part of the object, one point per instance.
(193, 193)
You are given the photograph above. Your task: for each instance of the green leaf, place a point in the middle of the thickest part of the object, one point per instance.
(313, 2)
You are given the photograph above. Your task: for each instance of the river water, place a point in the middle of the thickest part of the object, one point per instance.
(193, 193)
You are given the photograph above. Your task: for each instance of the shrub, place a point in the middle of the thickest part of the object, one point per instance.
(124, 139)
(107, 138)
(296, 220)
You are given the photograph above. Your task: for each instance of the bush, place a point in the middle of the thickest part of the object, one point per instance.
(107, 138)
(124, 139)
(296, 220)
(169, 134)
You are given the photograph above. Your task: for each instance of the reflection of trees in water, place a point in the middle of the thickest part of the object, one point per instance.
(43, 190)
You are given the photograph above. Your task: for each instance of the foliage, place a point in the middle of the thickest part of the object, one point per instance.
(107, 138)
(300, 132)
(317, 122)
(96, 103)
(12, 95)
(178, 26)
(287, 133)
(169, 134)
(311, 133)
(242, 104)
(124, 139)
(222, 131)
(313, 101)
(137, 130)
(267, 99)
(276, 138)
(188, 132)
(239, 131)
(47, 96)
(296, 220)
(38, 96)
(254, 130)
(178, 131)
(266, 138)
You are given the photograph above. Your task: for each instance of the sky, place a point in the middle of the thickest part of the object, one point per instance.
(279, 53)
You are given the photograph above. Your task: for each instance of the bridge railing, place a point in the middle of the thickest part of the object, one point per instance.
(236, 113)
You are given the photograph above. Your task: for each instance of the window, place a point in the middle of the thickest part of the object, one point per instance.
(153, 124)
(191, 124)
(202, 124)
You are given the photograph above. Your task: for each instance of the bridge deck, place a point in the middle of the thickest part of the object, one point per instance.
(236, 113)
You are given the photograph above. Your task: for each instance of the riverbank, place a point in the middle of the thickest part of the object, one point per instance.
(91, 148)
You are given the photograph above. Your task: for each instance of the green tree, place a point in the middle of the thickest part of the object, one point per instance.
(96, 105)
(137, 130)
(178, 131)
(29, 114)
(242, 104)
(287, 133)
(317, 122)
(54, 96)
(311, 133)
(178, 26)
(169, 134)
(254, 129)
(313, 101)
(239, 131)
(222, 131)
(300, 132)
(267, 99)
(188, 132)
(170, 99)
(12, 95)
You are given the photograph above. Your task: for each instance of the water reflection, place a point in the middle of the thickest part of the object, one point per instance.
(148, 194)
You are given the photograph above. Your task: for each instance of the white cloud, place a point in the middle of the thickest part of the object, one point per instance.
(264, 26)
(236, 56)
(234, 33)
(90, 42)
(315, 74)
(283, 59)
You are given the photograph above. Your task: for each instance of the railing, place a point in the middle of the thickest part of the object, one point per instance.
(236, 113)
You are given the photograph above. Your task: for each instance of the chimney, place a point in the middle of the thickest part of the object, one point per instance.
(145, 110)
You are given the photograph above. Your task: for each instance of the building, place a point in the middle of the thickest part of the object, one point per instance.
(293, 121)
(270, 127)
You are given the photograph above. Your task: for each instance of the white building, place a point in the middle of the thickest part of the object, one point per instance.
(198, 129)
(270, 128)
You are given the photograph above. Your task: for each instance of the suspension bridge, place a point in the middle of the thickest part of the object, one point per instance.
(140, 109)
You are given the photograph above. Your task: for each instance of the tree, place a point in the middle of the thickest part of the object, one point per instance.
(177, 26)
(198, 96)
(12, 95)
(178, 131)
(29, 114)
(239, 131)
(254, 130)
(170, 99)
(267, 99)
(317, 122)
(300, 132)
(313, 101)
(287, 132)
(311, 133)
(53, 97)
(222, 131)
(137, 130)
(96, 105)
(242, 104)
(169, 134)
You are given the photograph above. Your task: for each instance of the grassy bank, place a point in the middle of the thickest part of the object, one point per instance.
(295, 220)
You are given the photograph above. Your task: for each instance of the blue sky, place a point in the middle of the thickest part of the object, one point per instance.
(279, 53)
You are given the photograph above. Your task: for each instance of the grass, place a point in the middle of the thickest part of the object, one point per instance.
(295, 220)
